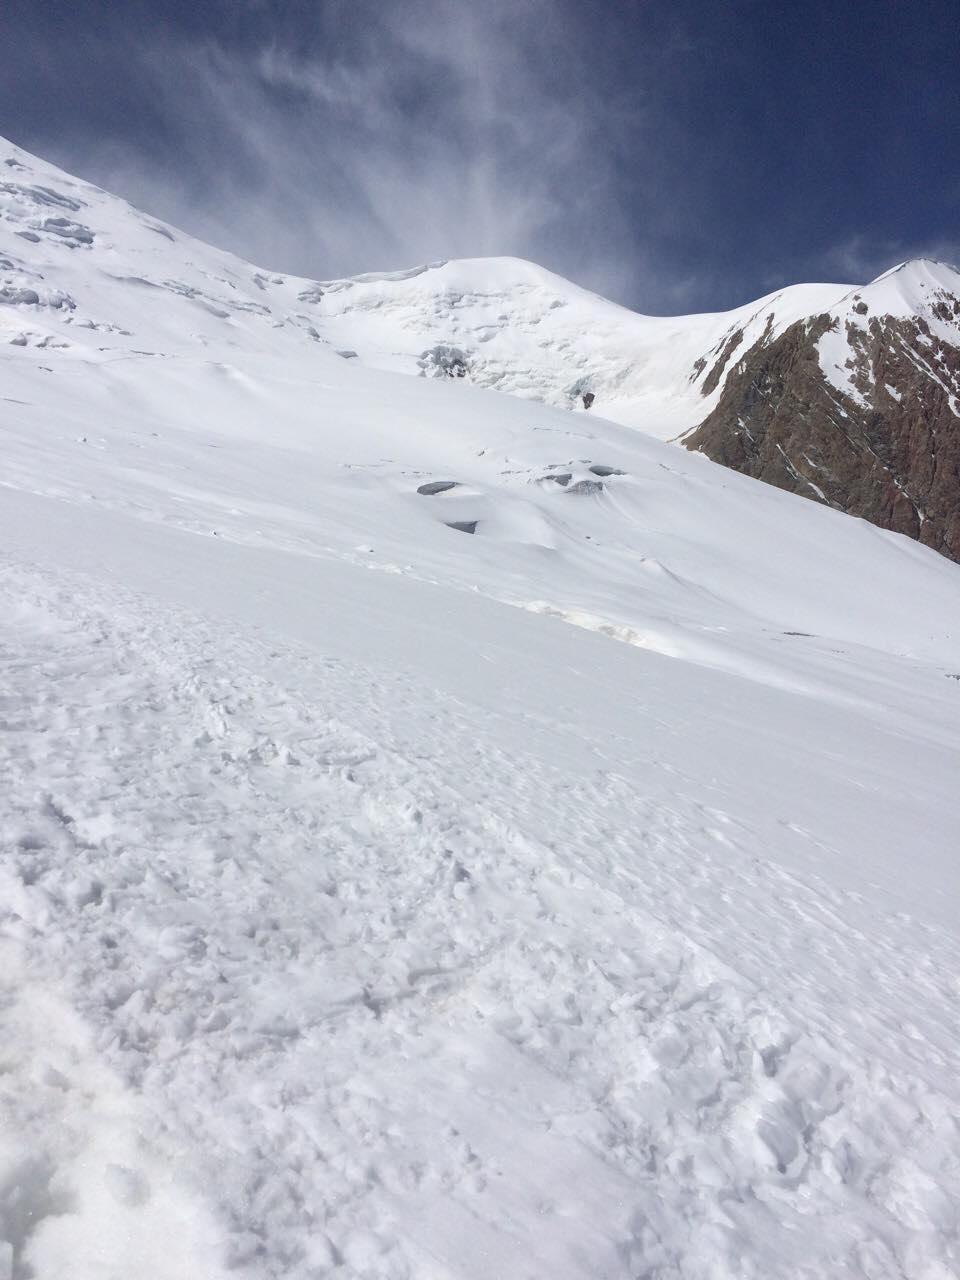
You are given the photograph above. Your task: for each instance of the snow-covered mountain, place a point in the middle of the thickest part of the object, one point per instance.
(846, 395)
(444, 834)
(858, 406)
(511, 325)
(500, 323)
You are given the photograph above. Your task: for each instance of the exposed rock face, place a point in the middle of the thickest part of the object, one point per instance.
(858, 407)
(712, 379)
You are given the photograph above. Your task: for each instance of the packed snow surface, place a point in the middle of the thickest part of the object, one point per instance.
(572, 898)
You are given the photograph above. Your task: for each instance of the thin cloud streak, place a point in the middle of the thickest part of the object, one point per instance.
(329, 166)
(664, 155)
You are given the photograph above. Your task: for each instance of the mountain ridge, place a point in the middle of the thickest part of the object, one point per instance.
(858, 407)
(509, 325)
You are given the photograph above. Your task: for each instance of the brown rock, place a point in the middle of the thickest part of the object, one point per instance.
(888, 451)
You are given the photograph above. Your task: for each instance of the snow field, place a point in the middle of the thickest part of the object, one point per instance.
(391, 997)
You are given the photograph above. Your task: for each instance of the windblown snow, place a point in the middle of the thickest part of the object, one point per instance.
(446, 835)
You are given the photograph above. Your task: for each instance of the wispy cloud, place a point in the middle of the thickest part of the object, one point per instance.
(653, 152)
(862, 257)
(434, 133)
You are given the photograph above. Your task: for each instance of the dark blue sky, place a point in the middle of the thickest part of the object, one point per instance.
(678, 155)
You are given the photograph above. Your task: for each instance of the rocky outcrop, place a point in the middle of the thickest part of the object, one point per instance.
(873, 431)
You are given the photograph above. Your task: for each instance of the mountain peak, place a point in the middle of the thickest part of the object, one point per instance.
(921, 267)
(910, 285)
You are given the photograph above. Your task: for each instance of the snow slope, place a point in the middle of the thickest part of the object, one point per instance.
(573, 898)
